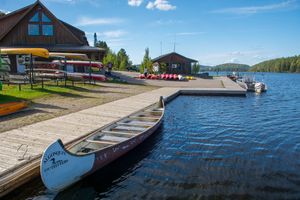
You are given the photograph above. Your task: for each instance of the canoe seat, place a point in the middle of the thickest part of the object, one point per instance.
(118, 133)
(113, 138)
(85, 150)
(102, 142)
(129, 128)
(133, 124)
(146, 123)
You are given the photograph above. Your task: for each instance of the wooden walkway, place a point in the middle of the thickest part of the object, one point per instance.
(21, 149)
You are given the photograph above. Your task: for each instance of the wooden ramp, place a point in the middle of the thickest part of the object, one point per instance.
(21, 149)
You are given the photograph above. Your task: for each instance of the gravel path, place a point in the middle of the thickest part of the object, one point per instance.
(57, 105)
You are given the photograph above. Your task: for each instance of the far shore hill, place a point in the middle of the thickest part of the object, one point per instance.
(285, 64)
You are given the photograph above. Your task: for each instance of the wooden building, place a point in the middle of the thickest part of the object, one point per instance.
(36, 26)
(176, 63)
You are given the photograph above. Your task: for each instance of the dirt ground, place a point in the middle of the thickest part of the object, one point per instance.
(57, 105)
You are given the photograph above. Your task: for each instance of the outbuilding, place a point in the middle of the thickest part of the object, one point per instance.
(175, 63)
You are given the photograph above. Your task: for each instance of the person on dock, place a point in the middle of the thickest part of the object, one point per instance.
(145, 71)
(109, 67)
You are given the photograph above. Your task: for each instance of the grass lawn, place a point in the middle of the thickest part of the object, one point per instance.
(11, 93)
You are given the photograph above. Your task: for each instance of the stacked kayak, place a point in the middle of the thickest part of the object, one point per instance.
(165, 77)
(12, 107)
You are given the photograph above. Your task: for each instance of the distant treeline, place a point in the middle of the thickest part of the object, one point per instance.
(289, 64)
(226, 67)
(232, 67)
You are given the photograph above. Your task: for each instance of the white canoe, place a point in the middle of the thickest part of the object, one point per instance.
(61, 167)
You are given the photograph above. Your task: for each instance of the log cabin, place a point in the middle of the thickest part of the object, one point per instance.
(35, 26)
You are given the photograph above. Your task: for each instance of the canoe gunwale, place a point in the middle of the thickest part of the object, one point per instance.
(80, 162)
(111, 124)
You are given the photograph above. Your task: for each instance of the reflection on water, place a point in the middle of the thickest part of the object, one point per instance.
(210, 148)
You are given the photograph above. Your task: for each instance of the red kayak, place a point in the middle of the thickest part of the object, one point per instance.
(96, 77)
(142, 76)
(148, 76)
(78, 63)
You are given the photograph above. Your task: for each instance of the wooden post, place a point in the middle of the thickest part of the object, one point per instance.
(90, 71)
(161, 102)
(65, 71)
(42, 83)
(31, 72)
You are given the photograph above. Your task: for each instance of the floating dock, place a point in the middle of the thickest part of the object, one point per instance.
(21, 149)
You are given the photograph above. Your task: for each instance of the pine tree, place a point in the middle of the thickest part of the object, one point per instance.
(147, 63)
(95, 39)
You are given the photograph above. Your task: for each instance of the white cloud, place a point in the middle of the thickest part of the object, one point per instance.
(109, 34)
(289, 4)
(136, 3)
(5, 11)
(113, 34)
(160, 5)
(168, 22)
(189, 33)
(246, 57)
(87, 21)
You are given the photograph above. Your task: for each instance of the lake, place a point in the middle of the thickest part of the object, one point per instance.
(210, 148)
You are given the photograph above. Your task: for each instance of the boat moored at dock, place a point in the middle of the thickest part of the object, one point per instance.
(61, 167)
(251, 85)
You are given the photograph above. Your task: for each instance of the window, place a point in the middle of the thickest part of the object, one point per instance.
(33, 29)
(48, 30)
(45, 18)
(40, 24)
(35, 18)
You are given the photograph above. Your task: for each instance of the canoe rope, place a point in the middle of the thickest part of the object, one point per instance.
(25, 151)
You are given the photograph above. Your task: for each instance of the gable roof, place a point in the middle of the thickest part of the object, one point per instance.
(173, 54)
(77, 32)
(9, 21)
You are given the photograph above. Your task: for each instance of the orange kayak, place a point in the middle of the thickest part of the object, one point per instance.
(9, 108)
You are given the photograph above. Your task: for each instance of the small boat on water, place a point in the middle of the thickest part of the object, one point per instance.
(234, 76)
(12, 107)
(251, 85)
(61, 167)
(260, 87)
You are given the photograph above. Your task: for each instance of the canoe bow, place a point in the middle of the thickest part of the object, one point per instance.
(60, 169)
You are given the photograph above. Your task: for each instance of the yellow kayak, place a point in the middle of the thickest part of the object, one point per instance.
(26, 51)
(77, 56)
(12, 107)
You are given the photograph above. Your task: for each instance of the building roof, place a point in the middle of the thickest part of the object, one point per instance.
(63, 48)
(9, 21)
(172, 54)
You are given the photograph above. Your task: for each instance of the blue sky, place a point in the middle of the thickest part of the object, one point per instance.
(211, 31)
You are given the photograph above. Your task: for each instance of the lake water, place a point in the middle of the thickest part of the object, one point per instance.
(210, 148)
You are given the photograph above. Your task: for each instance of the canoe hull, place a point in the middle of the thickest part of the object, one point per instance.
(102, 158)
(41, 52)
(10, 108)
(59, 168)
(62, 167)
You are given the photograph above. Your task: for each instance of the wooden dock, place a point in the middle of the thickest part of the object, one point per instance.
(21, 149)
